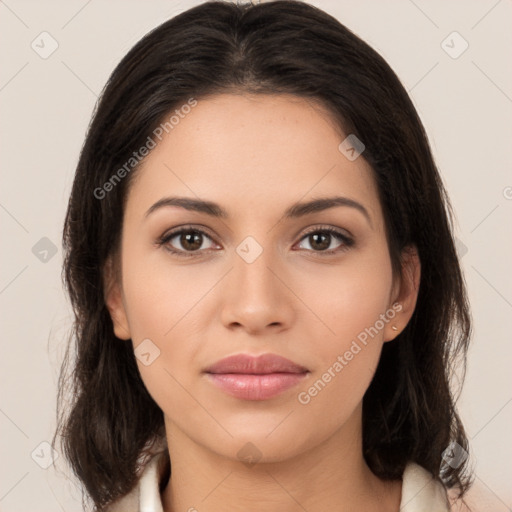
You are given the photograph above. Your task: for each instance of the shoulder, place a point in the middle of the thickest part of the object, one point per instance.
(421, 492)
(145, 496)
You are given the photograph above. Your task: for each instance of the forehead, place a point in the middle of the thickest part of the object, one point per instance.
(255, 153)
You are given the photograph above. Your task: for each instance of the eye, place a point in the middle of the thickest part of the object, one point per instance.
(320, 240)
(190, 239)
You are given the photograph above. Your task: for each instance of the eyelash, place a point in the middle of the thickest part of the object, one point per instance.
(167, 237)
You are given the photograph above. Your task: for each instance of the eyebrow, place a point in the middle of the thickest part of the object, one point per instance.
(294, 211)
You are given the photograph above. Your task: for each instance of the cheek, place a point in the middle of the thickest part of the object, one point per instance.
(335, 392)
(351, 305)
(161, 294)
(164, 304)
(159, 314)
(345, 362)
(348, 297)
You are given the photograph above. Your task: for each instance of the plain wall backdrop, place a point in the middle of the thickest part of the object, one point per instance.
(55, 59)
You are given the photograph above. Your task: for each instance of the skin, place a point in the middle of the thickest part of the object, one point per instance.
(256, 155)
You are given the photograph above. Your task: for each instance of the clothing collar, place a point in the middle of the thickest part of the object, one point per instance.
(420, 491)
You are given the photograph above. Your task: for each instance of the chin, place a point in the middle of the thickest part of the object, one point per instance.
(263, 444)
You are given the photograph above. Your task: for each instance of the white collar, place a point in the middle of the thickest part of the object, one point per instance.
(420, 492)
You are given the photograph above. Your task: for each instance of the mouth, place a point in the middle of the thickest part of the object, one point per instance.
(255, 378)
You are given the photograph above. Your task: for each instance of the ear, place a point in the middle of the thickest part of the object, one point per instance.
(405, 293)
(114, 300)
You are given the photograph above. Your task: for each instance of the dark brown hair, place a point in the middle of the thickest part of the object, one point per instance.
(271, 48)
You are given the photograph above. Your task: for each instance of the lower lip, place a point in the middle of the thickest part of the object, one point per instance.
(255, 387)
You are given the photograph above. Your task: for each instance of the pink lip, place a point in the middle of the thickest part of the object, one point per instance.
(255, 378)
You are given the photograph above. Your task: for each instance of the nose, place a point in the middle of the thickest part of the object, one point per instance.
(255, 296)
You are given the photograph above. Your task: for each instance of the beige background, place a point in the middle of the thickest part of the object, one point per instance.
(465, 104)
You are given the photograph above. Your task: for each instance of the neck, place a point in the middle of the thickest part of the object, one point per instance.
(333, 475)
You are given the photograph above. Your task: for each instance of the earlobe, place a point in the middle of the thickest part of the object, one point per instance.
(404, 301)
(114, 302)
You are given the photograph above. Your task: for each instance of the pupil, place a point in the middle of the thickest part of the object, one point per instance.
(324, 245)
(191, 240)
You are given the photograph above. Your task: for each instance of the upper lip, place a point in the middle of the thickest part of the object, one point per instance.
(263, 364)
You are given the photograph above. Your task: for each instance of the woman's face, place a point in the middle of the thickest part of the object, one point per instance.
(257, 280)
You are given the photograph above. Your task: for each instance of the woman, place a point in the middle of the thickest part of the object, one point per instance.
(260, 258)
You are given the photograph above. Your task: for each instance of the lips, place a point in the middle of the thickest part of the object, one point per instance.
(255, 378)
(247, 364)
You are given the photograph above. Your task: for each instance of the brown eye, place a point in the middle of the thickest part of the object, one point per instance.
(186, 241)
(321, 240)
(191, 241)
